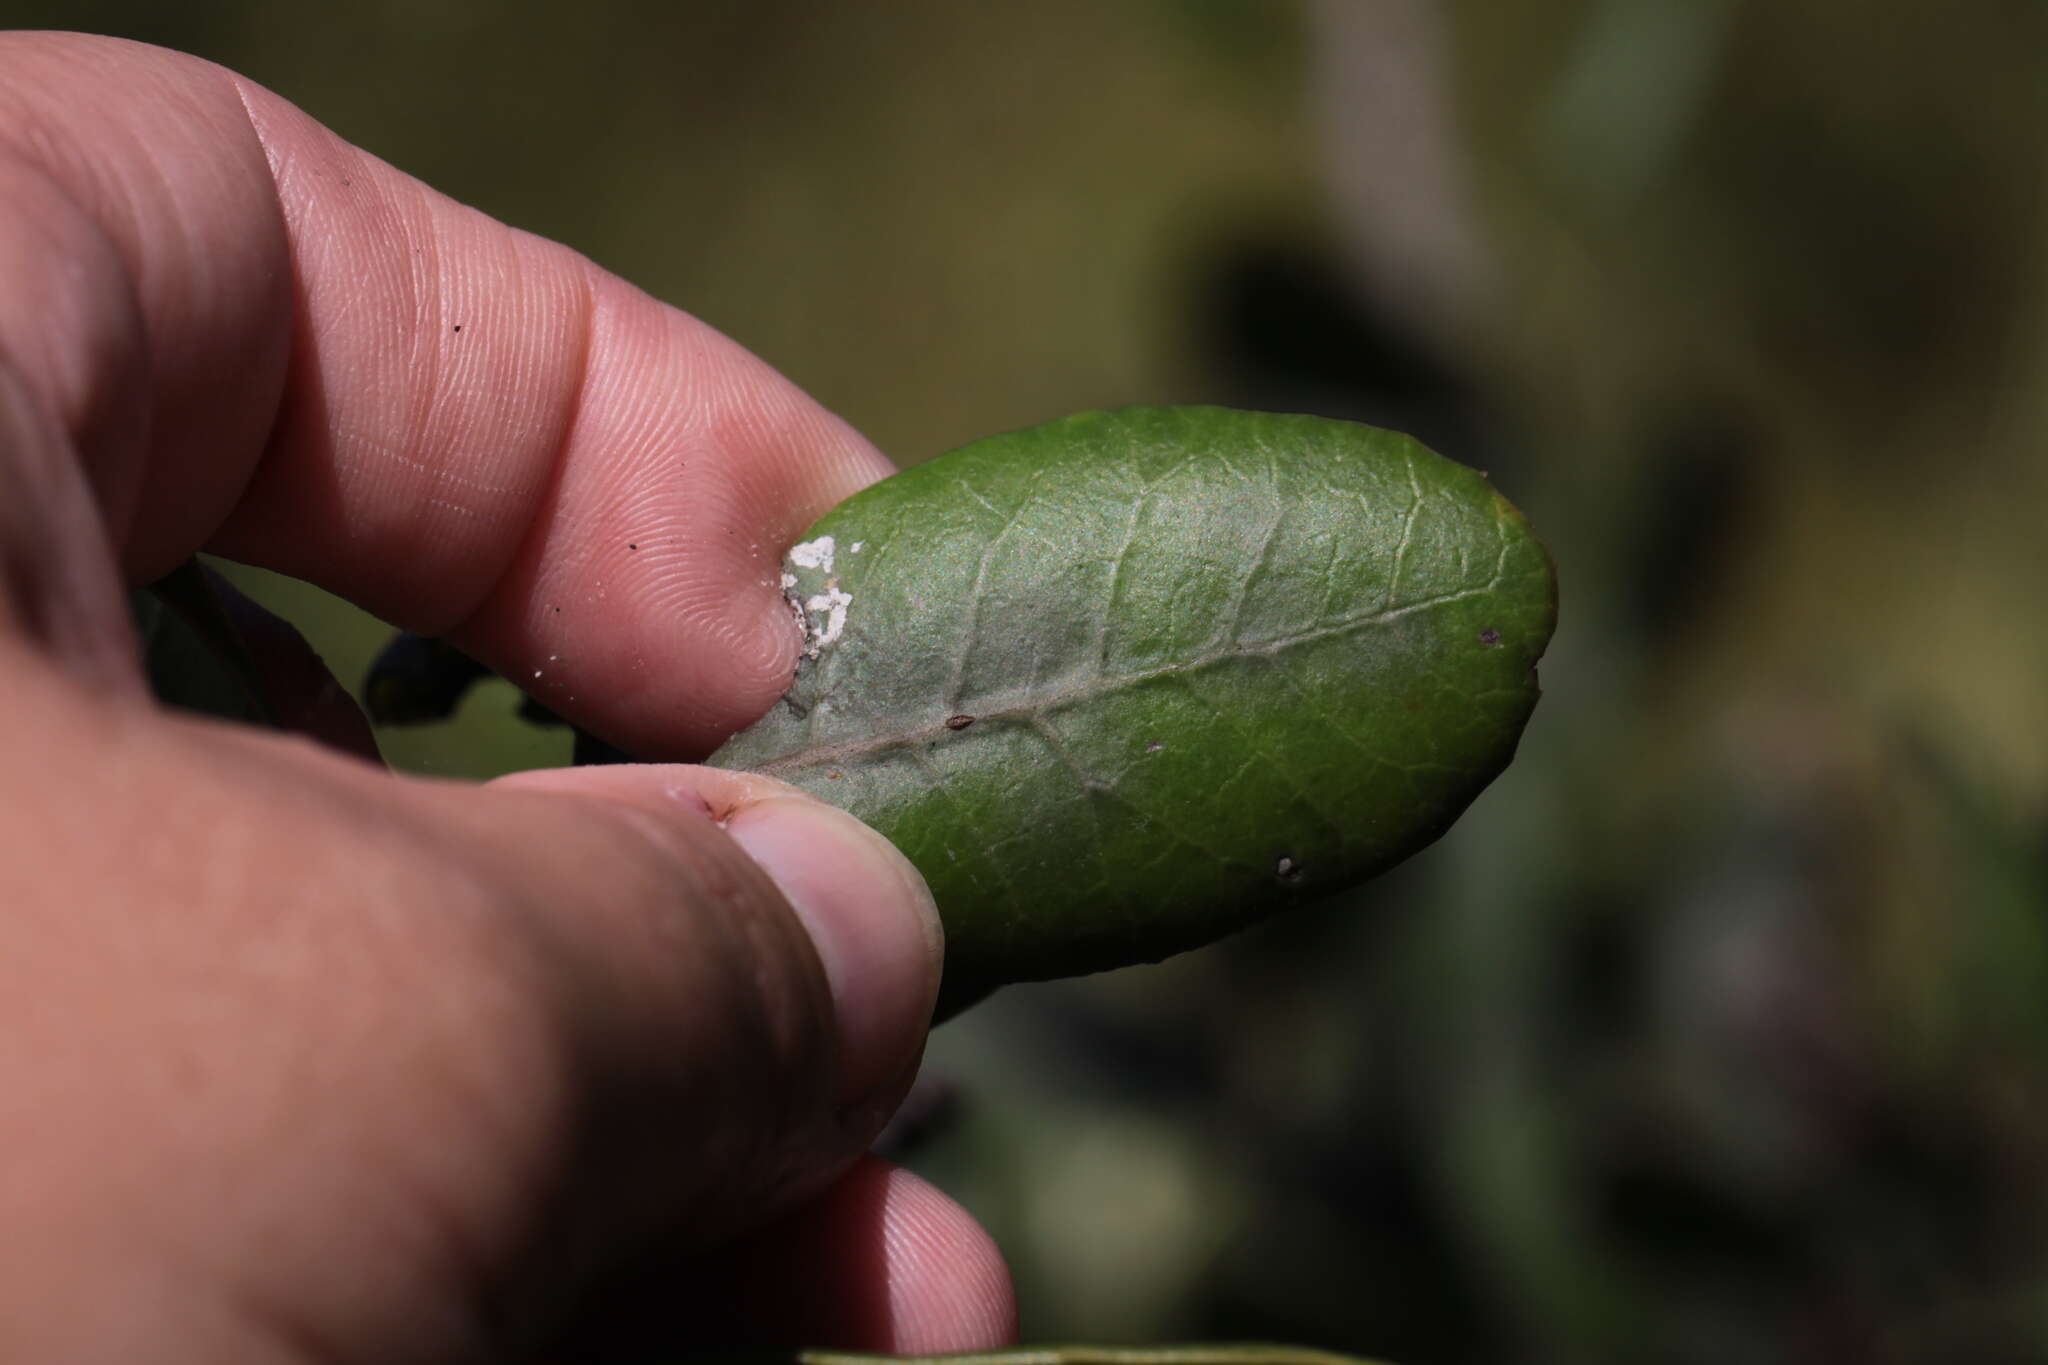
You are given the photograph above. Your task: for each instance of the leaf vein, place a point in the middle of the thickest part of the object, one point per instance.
(1095, 786)
(1407, 528)
(929, 770)
(972, 633)
(1026, 707)
(1234, 632)
(1116, 578)
(1261, 754)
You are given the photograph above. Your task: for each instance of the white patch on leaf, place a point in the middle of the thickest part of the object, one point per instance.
(822, 615)
(833, 604)
(813, 554)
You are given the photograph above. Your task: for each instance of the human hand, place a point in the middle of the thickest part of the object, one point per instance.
(300, 1060)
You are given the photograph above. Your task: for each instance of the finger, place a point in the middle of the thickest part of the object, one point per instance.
(58, 588)
(266, 341)
(882, 1261)
(416, 1059)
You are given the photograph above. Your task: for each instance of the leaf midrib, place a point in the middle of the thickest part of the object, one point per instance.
(1035, 706)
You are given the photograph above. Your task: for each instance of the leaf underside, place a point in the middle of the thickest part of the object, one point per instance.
(1123, 683)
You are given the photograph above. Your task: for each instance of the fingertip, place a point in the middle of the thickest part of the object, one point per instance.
(881, 1261)
(865, 910)
(650, 596)
(873, 922)
(949, 1285)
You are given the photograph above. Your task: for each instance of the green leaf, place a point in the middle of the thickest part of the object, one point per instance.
(1126, 682)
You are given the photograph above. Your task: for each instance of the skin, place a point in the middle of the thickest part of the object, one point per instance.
(303, 1061)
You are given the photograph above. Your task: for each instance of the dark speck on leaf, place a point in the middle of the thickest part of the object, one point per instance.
(1489, 636)
(632, 545)
(1154, 747)
(959, 722)
(458, 326)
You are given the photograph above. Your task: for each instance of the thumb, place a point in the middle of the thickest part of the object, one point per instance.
(869, 920)
(407, 1051)
(746, 975)
(738, 978)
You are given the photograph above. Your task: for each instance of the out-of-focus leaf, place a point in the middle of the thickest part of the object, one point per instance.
(416, 679)
(207, 647)
(1126, 682)
(191, 654)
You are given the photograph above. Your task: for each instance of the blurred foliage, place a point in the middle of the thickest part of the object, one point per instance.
(1719, 1028)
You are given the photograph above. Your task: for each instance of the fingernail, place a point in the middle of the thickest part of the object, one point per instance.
(871, 920)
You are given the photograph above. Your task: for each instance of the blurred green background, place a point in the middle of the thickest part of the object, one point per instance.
(1718, 1030)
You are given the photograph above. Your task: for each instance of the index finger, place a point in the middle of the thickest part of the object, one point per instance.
(268, 343)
